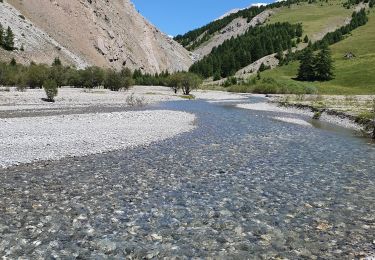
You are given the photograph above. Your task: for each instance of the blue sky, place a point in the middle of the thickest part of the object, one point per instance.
(179, 16)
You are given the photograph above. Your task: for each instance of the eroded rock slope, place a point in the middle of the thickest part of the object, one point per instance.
(103, 33)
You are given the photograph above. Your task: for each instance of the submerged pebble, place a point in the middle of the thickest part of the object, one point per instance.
(239, 186)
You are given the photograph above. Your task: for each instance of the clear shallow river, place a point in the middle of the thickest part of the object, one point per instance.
(242, 185)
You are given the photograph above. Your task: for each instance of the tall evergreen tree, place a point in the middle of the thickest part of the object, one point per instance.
(56, 62)
(306, 70)
(1, 35)
(13, 62)
(299, 30)
(9, 40)
(324, 64)
(306, 39)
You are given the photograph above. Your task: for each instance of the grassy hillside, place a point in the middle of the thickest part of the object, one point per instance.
(316, 18)
(354, 76)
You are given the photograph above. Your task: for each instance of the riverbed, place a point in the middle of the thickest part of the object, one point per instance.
(241, 184)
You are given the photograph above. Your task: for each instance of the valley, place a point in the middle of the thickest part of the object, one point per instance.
(251, 137)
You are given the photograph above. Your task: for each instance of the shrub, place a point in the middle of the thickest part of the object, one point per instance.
(116, 81)
(317, 115)
(240, 88)
(186, 81)
(135, 101)
(92, 77)
(230, 82)
(310, 90)
(51, 89)
(36, 75)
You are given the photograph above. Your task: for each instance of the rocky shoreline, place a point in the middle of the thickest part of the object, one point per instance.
(347, 120)
(362, 126)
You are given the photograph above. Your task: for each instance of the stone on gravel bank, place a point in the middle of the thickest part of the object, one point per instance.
(24, 140)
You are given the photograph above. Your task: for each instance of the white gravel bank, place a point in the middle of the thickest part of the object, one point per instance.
(264, 106)
(293, 121)
(24, 140)
(272, 107)
(218, 95)
(77, 97)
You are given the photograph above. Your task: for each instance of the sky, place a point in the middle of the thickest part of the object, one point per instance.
(175, 17)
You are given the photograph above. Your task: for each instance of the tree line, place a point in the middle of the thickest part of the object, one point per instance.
(6, 38)
(237, 53)
(349, 3)
(51, 77)
(35, 76)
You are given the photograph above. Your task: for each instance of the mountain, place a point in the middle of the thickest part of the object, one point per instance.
(216, 43)
(90, 32)
(237, 46)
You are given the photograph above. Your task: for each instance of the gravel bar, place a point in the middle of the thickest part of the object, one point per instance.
(24, 140)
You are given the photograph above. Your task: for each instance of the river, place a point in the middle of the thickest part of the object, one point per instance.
(242, 185)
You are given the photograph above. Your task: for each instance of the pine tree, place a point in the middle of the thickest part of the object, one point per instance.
(280, 56)
(13, 62)
(56, 62)
(9, 40)
(306, 70)
(306, 39)
(1, 35)
(299, 30)
(324, 64)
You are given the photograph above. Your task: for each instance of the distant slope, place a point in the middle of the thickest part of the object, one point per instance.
(352, 76)
(38, 45)
(237, 27)
(103, 33)
(224, 55)
(196, 37)
(200, 36)
(317, 18)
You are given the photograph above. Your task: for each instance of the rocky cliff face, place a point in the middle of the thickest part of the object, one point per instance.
(96, 32)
